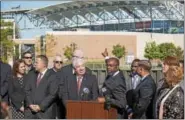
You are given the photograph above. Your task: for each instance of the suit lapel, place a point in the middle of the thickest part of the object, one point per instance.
(72, 84)
(139, 85)
(35, 79)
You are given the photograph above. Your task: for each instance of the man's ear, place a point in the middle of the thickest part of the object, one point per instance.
(117, 67)
(141, 68)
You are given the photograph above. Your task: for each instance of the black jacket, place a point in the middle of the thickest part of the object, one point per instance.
(43, 95)
(116, 90)
(6, 75)
(143, 98)
(16, 93)
(89, 81)
(63, 75)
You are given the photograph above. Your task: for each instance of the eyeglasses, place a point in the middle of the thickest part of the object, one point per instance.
(59, 62)
(28, 57)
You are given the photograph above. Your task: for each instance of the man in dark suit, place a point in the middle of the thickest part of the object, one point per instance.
(134, 78)
(66, 72)
(41, 90)
(28, 59)
(143, 94)
(5, 77)
(57, 65)
(114, 88)
(81, 86)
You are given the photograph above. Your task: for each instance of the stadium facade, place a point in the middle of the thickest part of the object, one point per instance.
(161, 16)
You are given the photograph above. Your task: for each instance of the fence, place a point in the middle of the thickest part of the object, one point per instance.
(99, 70)
(101, 75)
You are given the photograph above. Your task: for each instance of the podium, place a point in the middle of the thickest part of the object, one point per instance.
(89, 110)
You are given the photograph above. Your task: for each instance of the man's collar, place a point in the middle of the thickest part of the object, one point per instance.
(144, 77)
(73, 71)
(113, 73)
(54, 69)
(116, 73)
(44, 71)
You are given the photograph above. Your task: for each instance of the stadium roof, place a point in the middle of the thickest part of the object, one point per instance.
(82, 13)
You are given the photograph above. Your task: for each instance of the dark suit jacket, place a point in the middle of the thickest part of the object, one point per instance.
(88, 81)
(44, 95)
(69, 68)
(60, 113)
(65, 74)
(16, 93)
(5, 78)
(51, 70)
(116, 89)
(143, 98)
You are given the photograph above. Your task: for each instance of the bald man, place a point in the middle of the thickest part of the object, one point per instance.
(57, 64)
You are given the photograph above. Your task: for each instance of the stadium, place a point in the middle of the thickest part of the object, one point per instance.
(155, 16)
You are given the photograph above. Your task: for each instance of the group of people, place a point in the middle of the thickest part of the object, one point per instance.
(33, 91)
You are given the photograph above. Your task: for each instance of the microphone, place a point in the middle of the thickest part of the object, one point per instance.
(107, 98)
(85, 94)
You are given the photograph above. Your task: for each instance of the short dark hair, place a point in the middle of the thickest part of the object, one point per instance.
(135, 60)
(114, 59)
(145, 64)
(43, 58)
(16, 66)
(27, 52)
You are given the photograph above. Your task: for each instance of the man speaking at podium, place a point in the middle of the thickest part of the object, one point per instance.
(114, 88)
(81, 86)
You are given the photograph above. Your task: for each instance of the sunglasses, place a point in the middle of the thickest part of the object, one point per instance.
(59, 62)
(28, 57)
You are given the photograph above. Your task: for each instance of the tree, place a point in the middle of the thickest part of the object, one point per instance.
(7, 44)
(68, 50)
(161, 51)
(167, 49)
(179, 53)
(119, 51)
(50, 45)
(152, 51)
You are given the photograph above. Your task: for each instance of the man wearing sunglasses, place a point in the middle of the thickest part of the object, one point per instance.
(27, 57)
(57, 64)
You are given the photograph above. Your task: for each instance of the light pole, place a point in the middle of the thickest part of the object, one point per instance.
(14, 30)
